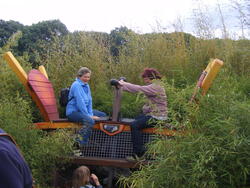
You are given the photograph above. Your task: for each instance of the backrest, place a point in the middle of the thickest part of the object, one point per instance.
(210, 73)
(44, 92)
(46, 104)
(207, 76)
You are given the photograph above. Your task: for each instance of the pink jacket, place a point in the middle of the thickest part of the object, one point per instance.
(156, 104)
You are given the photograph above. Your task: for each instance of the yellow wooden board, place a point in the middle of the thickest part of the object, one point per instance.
(211, 71)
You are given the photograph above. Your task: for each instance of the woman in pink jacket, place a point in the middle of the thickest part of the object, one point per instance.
(155, 107)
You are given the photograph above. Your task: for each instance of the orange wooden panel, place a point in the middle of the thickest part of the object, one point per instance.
(52, 125)
(37, 76)
(40, 89)
(51, 108)
(54, 115)
(49, 101)
(40, 84)
(44, 92)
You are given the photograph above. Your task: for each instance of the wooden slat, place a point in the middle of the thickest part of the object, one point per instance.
(40, 89)
(49, 101)
(107, 162)
(40, 84)
(38, 76)
(53, 115)
(51, 108)
(52, 125)
(46, 94)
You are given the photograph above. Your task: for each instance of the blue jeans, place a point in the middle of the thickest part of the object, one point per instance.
(87, 123)
(140, 122)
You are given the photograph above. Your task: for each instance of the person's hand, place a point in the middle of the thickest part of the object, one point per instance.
(95, 179)
(121, 82)
(95, 117)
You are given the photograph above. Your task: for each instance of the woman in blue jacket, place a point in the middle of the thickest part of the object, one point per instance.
(79, 107)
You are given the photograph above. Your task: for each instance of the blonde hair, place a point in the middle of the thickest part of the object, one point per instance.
(81, 177)
(82, 71)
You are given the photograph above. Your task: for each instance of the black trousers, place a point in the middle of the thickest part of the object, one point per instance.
(140, 122)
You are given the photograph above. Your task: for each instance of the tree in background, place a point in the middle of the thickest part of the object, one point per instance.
(8, 28)
(119, 39)
(42, 32)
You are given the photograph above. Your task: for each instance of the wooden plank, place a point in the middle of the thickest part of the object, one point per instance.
(42, 69)
(16, 67)
(46, 94)
(51, 108)
(54, 115)
(48, 101)
(57, 125)
(212, 69)
(40, 84)
(37, 76)
(40, 89)
(122, 163)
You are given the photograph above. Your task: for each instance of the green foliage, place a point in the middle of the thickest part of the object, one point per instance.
(49, 154)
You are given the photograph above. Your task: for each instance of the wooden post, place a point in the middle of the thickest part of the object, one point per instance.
(16, 67)
(116, 104)
(42, 69)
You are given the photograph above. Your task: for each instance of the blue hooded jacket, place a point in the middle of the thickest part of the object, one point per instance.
(80, 99)
(14, 171)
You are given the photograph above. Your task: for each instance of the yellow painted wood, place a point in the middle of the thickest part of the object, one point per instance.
(212, 69)
(53, 125)
(42, 69)
(21, 74)
(16, 67)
